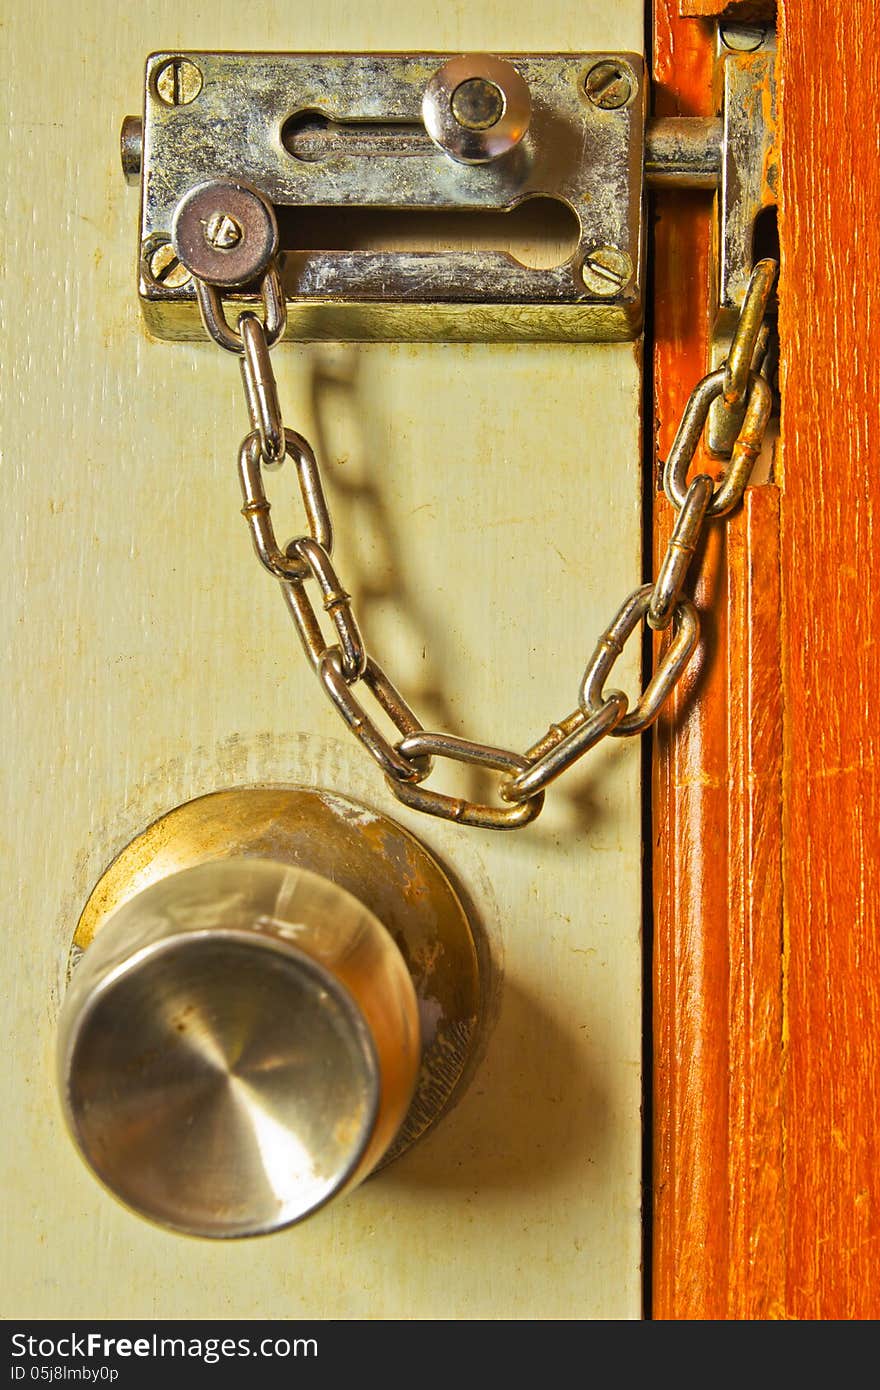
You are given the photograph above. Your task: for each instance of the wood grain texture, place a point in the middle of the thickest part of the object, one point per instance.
(487, 502)
(681, 1206)
(718, 1214)
(830, 565)
(767, 861)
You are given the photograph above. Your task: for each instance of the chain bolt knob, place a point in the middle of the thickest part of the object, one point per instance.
(477, 108)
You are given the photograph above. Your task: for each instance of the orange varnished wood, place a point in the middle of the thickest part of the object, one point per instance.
(830, 570)
(755, 1140)
(740, 10)
(719, 1214)
(767, 781)
(682, 86)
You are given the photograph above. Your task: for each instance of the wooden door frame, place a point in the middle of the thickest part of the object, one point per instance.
(766, 785)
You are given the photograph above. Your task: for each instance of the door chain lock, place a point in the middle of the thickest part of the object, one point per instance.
(236, 153)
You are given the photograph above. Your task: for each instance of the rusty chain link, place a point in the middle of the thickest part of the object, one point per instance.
(344, 665)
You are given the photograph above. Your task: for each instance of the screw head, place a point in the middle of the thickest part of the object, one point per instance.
(178, 82)
(609, 85)
(477, 104)
(605, 271)
(742, 38)
(222, 231)
(165, 267)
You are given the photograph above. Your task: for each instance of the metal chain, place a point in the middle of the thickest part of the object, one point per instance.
(344, 667)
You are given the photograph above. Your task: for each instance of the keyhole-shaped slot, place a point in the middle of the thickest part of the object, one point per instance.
(540, 233)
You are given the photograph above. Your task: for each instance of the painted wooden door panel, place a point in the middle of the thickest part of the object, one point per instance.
(490, 497)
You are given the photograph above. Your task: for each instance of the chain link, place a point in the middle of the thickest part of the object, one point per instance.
(213, 314)
(345, 666)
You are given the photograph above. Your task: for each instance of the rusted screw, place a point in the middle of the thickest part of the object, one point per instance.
(606, 270)
(178, 82)
(477, 104)
(165, 268)
(609, 85)
(223, 232)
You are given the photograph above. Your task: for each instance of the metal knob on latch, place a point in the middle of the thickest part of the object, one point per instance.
(477, 108)
(240, 1041)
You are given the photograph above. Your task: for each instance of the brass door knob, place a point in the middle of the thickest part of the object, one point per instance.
(240, 1042)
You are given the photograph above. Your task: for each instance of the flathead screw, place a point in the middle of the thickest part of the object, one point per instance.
(609, 85)
(178, 82)
(742, 38)
(166, 269)
(605, 271)
(223, 232)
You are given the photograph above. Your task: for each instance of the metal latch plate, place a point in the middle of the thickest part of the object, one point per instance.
(345, 132)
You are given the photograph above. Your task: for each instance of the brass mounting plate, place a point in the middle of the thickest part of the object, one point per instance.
(361, 144)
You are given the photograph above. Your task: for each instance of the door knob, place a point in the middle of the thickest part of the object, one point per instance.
(240, 1042)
